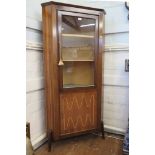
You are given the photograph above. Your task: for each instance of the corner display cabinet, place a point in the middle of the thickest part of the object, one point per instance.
(73, 38)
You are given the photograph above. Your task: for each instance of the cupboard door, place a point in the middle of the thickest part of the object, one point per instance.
(78, 38)
(78, 112)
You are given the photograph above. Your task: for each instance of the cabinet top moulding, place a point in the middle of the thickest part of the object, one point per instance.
(73, 5)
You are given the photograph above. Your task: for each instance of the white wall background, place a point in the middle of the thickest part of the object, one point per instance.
(115, 84)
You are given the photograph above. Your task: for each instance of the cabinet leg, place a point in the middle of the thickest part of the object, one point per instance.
(49, 140)
(102, 129)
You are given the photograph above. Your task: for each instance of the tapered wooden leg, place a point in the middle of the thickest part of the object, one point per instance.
(49, 140)
(102, 129)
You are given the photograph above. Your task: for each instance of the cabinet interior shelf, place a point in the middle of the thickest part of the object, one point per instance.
(77, 35)
(78, 60)
(76, 86)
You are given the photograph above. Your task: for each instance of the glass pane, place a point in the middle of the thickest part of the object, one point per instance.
(77, 51)
(79, 74)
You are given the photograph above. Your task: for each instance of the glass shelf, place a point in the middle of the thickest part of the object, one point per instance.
(77, 35)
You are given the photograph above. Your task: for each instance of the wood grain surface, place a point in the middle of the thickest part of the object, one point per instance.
(74, 110)
(78, 111)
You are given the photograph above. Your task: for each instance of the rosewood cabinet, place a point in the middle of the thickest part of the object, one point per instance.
(73, 38)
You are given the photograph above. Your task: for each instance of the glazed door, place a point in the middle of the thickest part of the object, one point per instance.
(78, 54)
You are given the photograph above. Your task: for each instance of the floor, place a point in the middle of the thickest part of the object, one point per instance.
(85, 145)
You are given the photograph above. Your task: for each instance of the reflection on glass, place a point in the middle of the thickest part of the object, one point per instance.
(77, 47)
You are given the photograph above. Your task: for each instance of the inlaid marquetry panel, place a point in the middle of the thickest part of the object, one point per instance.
(78, 111)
